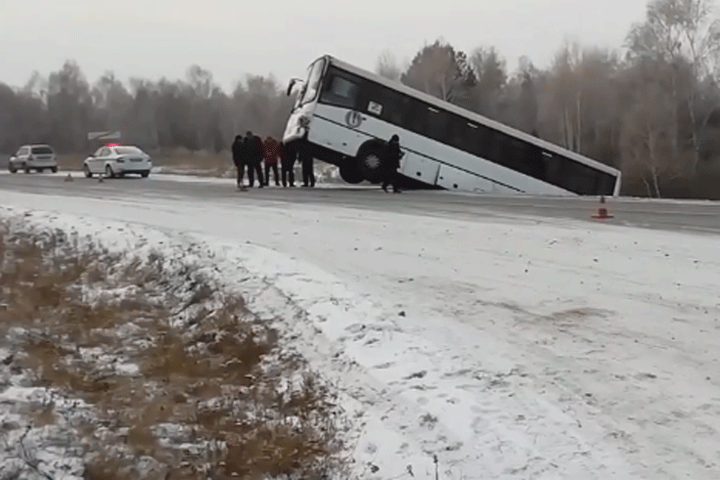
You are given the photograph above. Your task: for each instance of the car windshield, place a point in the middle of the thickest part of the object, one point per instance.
(128, 151)
(42, 150)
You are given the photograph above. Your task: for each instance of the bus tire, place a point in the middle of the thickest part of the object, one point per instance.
(369, 161)
(350, 174)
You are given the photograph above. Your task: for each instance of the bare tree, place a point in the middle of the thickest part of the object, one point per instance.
(387, 66)
(677, 32)
(647, 138)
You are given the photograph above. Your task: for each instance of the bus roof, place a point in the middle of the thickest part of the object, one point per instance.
(470, 115)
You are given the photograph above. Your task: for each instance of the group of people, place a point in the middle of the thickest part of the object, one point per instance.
(251, 152)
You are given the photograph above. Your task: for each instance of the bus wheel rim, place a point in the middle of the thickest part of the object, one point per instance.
(372, 161)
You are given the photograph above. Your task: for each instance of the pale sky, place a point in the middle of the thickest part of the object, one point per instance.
(154, 38)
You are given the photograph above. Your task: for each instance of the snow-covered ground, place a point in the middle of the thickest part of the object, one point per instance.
(508, 348)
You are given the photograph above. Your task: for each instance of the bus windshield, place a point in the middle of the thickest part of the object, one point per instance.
(313, 83)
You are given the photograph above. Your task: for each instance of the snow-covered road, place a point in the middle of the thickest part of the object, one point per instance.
(510, 348)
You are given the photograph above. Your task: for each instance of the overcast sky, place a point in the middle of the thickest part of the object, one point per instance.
(154, 38)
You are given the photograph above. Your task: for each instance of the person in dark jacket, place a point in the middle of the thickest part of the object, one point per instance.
(271, 151)
(391, 163)
(238, 154)
(287, 164)
(254, 155)
(306, 160)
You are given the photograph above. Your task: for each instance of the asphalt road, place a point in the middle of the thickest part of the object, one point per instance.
(665, 215)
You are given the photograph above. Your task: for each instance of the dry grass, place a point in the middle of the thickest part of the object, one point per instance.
(206, 398)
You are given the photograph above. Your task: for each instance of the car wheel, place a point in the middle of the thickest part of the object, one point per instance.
(109, 172)
(11, 168)
(86, 169)
(145, 174)
(26, 168)
(53, 169)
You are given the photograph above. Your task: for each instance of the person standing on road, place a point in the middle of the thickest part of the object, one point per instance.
(254, 155)
(391, 163)
(238, 155)
(287, 164)
(270, 153)
(307, 160)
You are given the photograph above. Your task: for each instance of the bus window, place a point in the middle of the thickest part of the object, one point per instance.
(340, 90)
(395, 106)
(498, 149)
(437, 124)
(417, 116)
(577, 177)
(536, 162)
(552, 167)
(313, 83)
(479, 140)
(580, 179)
(458, 132)
(606, 184)
(516, 156)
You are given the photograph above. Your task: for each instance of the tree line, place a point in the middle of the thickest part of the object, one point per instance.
(650, 108)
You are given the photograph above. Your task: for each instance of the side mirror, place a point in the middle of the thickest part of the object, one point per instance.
(292, 83)
(290, 87)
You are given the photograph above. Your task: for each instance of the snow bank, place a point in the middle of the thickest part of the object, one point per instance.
(514, 348)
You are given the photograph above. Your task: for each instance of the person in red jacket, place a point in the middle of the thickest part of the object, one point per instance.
(271, 151)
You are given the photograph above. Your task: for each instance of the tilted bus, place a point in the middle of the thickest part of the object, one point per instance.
(343, 114)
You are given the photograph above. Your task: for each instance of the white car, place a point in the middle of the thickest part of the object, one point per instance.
(117, 161)
(37, 157)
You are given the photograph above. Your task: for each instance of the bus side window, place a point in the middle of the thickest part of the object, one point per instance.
(536, 162)
(606, 184)
(553, 169)
(498, 149)
(527, 159)
(370, 95)
(571, 175)
(459, 132)
(340, 91)
(394, 105)
(515, 156)
(583, 180)
(417, 116)
(479, 141)
(437, 124)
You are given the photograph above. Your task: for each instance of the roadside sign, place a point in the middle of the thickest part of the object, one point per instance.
(109, 135)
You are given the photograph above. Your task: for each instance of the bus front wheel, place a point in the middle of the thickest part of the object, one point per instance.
(350, 174)
(370, 162)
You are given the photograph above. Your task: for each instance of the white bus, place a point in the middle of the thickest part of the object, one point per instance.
(344, 114)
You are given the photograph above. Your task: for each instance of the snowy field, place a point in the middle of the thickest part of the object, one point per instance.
(507, 348)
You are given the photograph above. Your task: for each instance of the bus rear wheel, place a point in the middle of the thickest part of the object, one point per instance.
(350, 174)
(370, 162)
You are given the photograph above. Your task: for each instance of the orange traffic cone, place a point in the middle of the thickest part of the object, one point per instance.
(602, 212)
